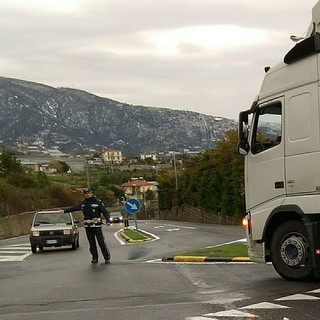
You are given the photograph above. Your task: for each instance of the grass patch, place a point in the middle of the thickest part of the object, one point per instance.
(134, 235)
(225, 250)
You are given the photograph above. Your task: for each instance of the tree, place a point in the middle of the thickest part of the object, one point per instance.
(212, 180)
(9, 164)
(150, 195)
(165, 189)
(60, 166)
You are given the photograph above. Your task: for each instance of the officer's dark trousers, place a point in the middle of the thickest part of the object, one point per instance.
(96, 232)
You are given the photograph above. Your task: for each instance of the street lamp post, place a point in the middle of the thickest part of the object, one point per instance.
(175, 170)
(176, 181)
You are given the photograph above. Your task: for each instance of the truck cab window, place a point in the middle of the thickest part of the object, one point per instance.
(267, 128)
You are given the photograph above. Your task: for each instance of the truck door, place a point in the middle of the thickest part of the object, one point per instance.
(265, 178)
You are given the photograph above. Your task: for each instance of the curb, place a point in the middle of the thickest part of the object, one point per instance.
(206, 259)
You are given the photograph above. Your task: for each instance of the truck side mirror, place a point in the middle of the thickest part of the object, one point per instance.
(243, 145)
(243, 148)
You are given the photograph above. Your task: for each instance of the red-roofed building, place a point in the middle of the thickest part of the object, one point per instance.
(137, 188)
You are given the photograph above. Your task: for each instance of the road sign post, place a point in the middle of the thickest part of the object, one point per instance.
(132, 206)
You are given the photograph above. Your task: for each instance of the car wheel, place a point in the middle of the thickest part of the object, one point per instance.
(34, 249)
(40, 248)
(291, 251)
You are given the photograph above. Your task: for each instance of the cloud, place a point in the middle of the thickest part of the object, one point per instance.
(205, 56)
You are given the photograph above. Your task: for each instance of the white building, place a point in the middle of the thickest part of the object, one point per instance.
(112, 156)
(144, 156)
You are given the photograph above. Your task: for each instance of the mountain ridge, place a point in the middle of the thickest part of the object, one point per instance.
(71, 119)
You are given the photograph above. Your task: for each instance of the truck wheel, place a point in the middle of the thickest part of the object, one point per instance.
(34, 249)
(291, 252)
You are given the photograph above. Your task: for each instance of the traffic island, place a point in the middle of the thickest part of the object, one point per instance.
(134, 236)
(231, 252)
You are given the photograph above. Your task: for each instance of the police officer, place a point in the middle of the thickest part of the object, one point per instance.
(92, 209)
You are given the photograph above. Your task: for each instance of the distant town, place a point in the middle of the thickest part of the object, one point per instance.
(38, 159)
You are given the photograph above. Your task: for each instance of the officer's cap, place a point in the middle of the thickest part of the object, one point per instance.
(87, 190)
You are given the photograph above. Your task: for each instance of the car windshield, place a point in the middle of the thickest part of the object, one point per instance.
(115, 214)
(52, 218)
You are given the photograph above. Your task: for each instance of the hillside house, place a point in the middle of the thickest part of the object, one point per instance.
(137, 189)
(144, 156)
(112, 156)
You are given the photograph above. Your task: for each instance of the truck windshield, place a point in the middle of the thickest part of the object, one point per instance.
(267, 128)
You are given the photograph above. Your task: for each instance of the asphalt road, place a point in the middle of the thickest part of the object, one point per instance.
(63, 284)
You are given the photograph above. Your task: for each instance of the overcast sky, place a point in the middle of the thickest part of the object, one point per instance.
(206, 56)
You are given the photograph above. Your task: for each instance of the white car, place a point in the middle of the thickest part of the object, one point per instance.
(53, 228)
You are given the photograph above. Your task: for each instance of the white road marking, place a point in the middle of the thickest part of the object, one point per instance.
(195, 262)
(314, 291)
(116, 235)
(122, 242)
(297, 297)
(231, 313)
(200, 318)
(20, 251)
(11, 251)
(21, 245)
(224, 300)
(155, 261)
(15, 248)
(265, 305)
(177, 229)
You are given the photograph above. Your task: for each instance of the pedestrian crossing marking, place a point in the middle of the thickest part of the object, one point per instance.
(15, 252)
(257, 306)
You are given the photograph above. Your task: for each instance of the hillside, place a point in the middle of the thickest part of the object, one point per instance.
(71, 119)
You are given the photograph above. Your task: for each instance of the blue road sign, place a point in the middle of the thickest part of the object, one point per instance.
(132, 206)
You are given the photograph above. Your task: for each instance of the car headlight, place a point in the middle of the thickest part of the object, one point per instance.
(68, 231)
(35, 233)
(111, 219)
(121, 218)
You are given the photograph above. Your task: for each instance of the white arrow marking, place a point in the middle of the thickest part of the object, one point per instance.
(133, 206)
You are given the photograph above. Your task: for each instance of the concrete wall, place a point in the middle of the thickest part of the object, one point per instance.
(18, 225)
(192, 214)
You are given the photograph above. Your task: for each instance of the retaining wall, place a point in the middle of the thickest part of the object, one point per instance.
(18, 225)
(192, 214)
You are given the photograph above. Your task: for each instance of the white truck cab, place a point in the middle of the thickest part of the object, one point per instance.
(280, 138)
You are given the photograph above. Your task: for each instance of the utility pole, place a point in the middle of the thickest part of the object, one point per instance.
(87, 174)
